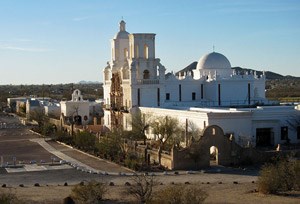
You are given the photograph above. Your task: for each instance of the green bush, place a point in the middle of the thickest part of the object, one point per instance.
(280, 176)
(91, 193)
(180, 194)
(132, 161)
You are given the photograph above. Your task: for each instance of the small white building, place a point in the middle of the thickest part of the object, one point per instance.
(33, 105)
(77, 109)
(211, 94)
(52, 109)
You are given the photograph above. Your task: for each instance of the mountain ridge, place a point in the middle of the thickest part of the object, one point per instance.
(269, 74)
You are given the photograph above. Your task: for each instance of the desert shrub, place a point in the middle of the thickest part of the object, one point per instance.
(180, 194)
(282, 175)
(85, 140)
(8, 198)
(132, 161)
(141, 188)
(92, 192)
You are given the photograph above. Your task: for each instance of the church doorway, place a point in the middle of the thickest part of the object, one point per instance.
(214, 152)
(264, 137)
(77, 120)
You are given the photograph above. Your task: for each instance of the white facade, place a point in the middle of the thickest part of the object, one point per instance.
(135, 78)
(52, 109)
(76, 107)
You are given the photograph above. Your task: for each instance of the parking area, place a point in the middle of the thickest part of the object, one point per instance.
(16, 146)
(20, 146)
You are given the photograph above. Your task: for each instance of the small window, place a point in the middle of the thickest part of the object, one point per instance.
(213, 131)
(125, 53)
(298, 132)
(193, 96)
(136, 54)
(146, 54)
(146, 74)
(284, 133)
(167, 96)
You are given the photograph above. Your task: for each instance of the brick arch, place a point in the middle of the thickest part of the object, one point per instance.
(214, 136)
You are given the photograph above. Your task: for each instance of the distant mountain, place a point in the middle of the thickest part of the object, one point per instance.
(269, 75)
(88, 82)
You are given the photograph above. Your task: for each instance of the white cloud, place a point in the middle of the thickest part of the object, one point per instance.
(24, 49)
(81, 18)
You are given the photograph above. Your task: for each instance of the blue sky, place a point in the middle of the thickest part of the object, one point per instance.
(65, 41)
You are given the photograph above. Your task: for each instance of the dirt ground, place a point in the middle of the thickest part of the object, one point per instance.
(16, 141)
(217, 193)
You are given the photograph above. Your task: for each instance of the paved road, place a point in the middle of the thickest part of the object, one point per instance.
(21, 145)
(27, 145)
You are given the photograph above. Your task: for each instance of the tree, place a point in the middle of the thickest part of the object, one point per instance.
(194, 131)
(140, 123)
(85, 140)
(166, 128)
(142, 187)
(48, 129)
(39, 116)
(110, 145)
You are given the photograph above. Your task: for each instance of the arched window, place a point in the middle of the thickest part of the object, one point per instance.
(131, 50)
(126, 73)
(136, 54)
(125, 53)
(146, 53)
(146, 74)
(106, 75)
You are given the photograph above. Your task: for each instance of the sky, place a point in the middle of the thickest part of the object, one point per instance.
(66, 41)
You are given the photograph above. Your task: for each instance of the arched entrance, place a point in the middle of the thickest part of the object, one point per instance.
(77, 120)
(216, 147)
(213, 155)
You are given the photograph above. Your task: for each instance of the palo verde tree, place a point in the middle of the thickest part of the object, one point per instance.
(39, 116)
(140, 123)
(167, 130)
(85, 140)
(110, 145)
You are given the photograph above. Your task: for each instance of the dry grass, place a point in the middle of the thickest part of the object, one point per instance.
(217, 193)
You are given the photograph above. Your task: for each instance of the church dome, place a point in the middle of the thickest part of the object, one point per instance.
(213, 60)
(122, 34)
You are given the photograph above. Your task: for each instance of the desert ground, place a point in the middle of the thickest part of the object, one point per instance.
(19, 145)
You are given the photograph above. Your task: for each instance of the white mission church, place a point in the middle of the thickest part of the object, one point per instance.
(211, 94)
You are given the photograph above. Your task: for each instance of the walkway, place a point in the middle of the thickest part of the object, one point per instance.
(80, 160)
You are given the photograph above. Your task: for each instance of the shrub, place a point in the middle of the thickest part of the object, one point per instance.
(8, 198)
(180, 194)
(282, 175)
(132, 161)
(92, 192)
(141, 188)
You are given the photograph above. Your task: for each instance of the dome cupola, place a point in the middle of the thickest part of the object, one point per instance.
(122, 34)
(213, 61)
